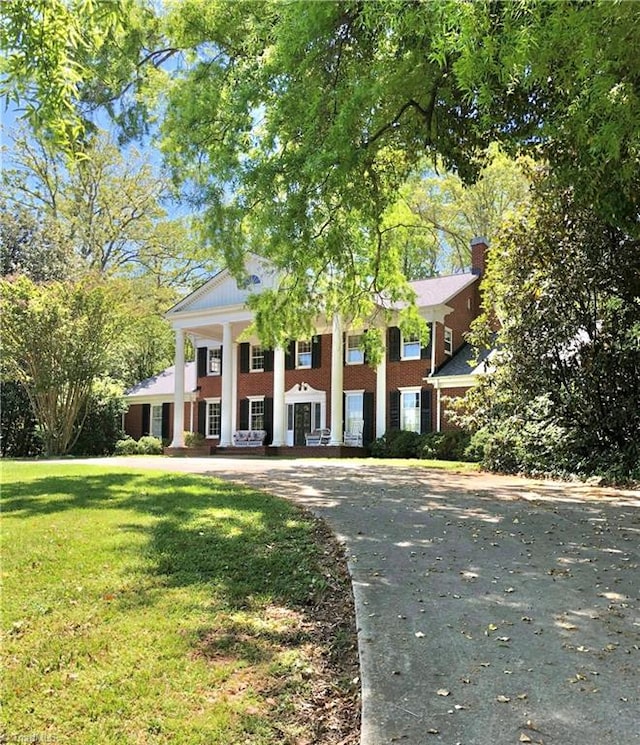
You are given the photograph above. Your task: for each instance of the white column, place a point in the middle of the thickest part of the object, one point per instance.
(278, 398)
(381, 390)
(433, 348)
(227, 387)
(438, 409)
(178, 392)
(337, 394)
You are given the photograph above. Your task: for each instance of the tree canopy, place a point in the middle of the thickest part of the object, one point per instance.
(295, 124)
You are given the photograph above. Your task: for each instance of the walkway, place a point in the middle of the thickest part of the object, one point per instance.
(491, 610)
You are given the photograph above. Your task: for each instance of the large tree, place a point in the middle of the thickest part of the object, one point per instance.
(565, 395)
(56, 340)
(109, 208)
(295, 124)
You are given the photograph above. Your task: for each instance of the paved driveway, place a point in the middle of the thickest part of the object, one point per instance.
(491, 610)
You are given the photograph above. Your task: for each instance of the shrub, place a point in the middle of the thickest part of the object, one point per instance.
(102, 428)
(194, 439)
(150, 446)
(127, 446)
(397, 444)
(144, 446)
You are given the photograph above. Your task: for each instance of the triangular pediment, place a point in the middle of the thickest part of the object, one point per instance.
(223, 290)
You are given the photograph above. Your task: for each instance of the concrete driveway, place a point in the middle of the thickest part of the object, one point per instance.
(490, 610)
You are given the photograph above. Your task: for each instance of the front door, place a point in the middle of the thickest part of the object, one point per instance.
(301, 422)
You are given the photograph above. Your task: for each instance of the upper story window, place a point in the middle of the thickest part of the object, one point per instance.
(257, 359)
(410, 348)
(354, 352)
(303, 354)
(214, 366)
(448, 341)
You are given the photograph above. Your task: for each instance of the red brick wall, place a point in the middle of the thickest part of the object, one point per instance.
(445, 424)
(133, 420)
(466, 306)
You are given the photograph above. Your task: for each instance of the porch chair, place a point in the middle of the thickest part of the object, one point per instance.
(353, 437)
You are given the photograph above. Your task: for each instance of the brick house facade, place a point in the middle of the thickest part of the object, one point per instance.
(319, 383)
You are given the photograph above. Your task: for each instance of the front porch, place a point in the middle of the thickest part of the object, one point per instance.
(309, 451)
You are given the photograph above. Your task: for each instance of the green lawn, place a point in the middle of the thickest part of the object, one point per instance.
(157, 608)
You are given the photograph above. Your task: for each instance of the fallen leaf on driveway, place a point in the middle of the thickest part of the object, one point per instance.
(443, 692)
(419, 635)
(503, 699)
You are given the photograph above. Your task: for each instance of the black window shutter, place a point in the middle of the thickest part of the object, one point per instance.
(365, 356)
(166, 419)
(316, 349)
(344, 349)
(290, 356)
(202, 418)
(393, 344)
(394, 410)
(244, 350)
(425, 410)
(425, 352)
(146, 418)
(268, 420)
(368, 431)
(203, 354)
(268, 360)
(244, 413)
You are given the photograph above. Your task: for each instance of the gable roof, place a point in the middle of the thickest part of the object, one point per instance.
(465, 362)
(163, 383)
(439, 290)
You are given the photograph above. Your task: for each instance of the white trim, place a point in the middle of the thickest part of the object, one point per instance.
(256, 398)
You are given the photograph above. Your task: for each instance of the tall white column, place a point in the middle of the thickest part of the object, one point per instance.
(337, 394)
(227, 387)
(433, 348)
(278, 398)
(178, 393)
(381, 390)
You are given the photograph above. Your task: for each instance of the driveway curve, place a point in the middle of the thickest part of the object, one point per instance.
(491, 610)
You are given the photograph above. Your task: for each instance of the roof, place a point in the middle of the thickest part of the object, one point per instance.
(163, 383)
(439, 290)
(465, 362)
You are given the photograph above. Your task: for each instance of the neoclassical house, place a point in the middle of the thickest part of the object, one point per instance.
(322, 383)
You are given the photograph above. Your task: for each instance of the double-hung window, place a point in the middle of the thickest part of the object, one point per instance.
(448, 341)
(410, 410)
(303, 354)
(410, 349)
(213, 418)
(354, 411)
(215, 361)
(354, 351)
(156, 421)
(256, 413)
(257, 359)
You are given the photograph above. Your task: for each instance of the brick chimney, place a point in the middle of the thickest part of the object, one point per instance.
(479, 248)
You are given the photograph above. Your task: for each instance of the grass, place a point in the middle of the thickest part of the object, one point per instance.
(158, 608)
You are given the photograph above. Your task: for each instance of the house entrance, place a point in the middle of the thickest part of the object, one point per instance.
(301, 422)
